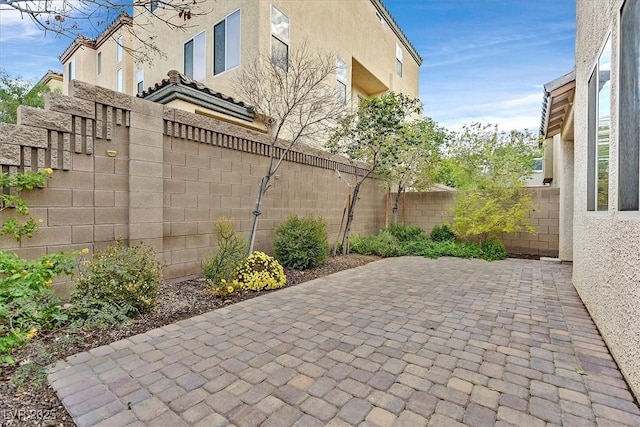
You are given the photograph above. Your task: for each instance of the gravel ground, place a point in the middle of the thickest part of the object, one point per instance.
(27, 400)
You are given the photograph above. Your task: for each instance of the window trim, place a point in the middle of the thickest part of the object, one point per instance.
(119, 80)
(119, 48)
(226, 38)
(593, 146)
(399, 59)
(204, 59)
(139, 80)
(72, 69)
(340, 64)
(286, 43)
(618, 126)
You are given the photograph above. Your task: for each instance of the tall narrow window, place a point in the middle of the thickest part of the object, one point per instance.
(599, 122)
(72, 70)
(140, 81)
(399, 60)
(119, 47)
(194, 58)
(341, 81)
(629, 108)
(279, 39)
(119, 80)
(226, 43)
(99, 63)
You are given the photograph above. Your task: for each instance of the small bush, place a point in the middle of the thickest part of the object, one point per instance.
(123, 277)
(27, 304)
(301, 243)
(405, 233)
(220, 265)
(493, 250)
(442, 233)
(258, 272)
(383, 244)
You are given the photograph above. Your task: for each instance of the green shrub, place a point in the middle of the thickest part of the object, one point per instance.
(220, 265)
(442, 233)
(301, 243)
(383, 244)
(493, 250)
(27, 304)
(406, 233)
(259, 272)
(120, 277)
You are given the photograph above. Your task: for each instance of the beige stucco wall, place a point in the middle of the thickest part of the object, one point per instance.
(427, 210)
(606, 244)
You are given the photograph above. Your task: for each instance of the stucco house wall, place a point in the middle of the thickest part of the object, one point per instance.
(606, 251)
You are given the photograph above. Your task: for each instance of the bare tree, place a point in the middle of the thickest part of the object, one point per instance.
(80, 18)
(296, 99)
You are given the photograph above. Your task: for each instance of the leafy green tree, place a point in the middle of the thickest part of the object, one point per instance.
(15, 91)
(420, 144)
(370, 137)
(491, 168)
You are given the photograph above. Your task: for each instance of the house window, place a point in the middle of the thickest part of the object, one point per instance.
(279, 39)
(99, 63)
(537, 165)
(226, 43)
(194, 58)
(399, 60)
(119, 44)
(599, 130)
(153, 5)
(341, 81)
(72, 70)
(140, 81)
(119, 80)
(629, 108)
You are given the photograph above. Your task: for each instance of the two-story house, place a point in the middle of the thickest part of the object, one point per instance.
(372, 53)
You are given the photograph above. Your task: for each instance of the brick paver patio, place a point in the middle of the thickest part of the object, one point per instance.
(404, 341)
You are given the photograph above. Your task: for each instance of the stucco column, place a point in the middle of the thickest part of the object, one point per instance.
(565, 248)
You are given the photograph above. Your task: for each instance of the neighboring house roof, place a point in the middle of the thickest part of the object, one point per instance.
(382, 9)
(50, 75)
(124, 19)
(558, 98)
(179, 86)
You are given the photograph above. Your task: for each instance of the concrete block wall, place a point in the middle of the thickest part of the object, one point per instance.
(129, 169)
(427, 210)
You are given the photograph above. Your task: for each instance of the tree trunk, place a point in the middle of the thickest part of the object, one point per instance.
(347, 227)
(257, 211)
(396, 200)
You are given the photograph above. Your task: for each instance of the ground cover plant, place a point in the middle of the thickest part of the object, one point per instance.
(402, 240)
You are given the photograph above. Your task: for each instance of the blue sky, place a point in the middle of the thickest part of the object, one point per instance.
(484, 60)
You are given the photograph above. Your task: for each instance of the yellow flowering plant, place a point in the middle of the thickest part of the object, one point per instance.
(27, 303)
(259, 272)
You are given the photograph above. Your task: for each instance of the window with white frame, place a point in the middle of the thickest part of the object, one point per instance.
(153, 5)
(226, 43)
(399, 59)
(140, 81)
(195, 58)
(119, 48)
(342, 77)
(629, 108)
(599, 131)
(119, 80)
(99, 63)
(72, 69)
(538, 165)
(279, 38)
